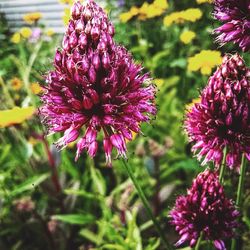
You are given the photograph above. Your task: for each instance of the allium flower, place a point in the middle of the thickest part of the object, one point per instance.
(95, 85)
(222, 117)
(235, 16)
(204, 209)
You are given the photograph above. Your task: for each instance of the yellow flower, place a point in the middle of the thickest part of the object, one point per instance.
(146, 11)
(32, 17)
(204, 61)
(158, 81)
(149, 11)
(16, 115)
(163, 4)
(204, 1)
(190, 105)
(66, 16)
(191, 15)
(25, 32)
(126, 16)
(157, 8)
(66, 1)
(16, 37)
(187, 36)
(16, 83)
(36, 88)
(50, 32)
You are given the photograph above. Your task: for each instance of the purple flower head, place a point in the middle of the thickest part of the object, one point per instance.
(95, 85)
(204, 209)
(235, 14)
(222, 117)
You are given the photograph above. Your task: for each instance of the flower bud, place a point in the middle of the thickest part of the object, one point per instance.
(79, 26)
(76, 10)
(83, 41)
(105, 60)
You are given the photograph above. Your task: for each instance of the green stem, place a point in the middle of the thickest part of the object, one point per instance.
(146, 203)
(223, 166)
(241, 181)
(197, 246)
(240, 191)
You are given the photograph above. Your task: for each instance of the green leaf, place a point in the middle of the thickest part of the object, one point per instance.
(75, 219)
(5, 153)
(82, 193)
(112, 247)
(29, 184)
(98, 180)
(87, 234)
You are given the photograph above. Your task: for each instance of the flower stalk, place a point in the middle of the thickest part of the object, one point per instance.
(240, 191)
(146, 204)
(223, 166)
(197, 246)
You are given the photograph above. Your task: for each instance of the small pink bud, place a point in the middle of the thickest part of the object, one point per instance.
(85, 64)
(58, 58)
(94, 96)
(79, 26)
(111, 29)
(92, 74)
(70, 65)
(76, 10)
(88, 28)
(65, 43)
(96, 61)
(92, 149)
(95, 32)
(102, 46)
(73, 40)
(87, 13)
(71, 27)
(83, 41)
(229, 119)
(105, 60)
(87, 103)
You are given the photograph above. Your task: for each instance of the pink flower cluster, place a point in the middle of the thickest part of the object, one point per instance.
(204, 209)
(96, 85)
(222, 117)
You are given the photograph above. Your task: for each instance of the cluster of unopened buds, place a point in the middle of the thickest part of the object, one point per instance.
(96, 85)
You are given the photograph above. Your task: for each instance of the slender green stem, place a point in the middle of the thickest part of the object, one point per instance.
(223, 166)
(146, 204)
(241, 181)
(197, 246)
(240, 191)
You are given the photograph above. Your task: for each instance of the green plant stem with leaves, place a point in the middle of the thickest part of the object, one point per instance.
(146, 204)
(240, 191)
(25, 67)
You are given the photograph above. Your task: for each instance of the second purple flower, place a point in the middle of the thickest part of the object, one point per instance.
(222, 117)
